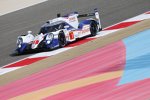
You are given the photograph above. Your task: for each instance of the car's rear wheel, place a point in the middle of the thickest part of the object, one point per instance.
(93, 28)
(62, 39)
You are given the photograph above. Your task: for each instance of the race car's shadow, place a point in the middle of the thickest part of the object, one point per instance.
(25, 53)
(30, 52)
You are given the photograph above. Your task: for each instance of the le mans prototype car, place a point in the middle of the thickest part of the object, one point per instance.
(60, 31)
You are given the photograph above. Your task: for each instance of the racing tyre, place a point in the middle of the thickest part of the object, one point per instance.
(62, 39)
(93, 28)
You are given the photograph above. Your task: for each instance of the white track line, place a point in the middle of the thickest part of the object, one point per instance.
(49, 53)
(6, 70)
(139, 17)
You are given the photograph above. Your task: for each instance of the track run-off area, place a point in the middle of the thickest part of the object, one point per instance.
(9, 6)
(38, 12)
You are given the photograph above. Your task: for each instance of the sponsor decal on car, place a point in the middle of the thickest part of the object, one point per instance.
(71, 35)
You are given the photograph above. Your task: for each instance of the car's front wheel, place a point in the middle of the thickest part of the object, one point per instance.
(62, 39)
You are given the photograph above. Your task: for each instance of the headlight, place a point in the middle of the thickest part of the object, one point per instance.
(48, 42)
(49, 37)
(19, 45)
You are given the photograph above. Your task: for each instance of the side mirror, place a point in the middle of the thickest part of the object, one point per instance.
(58, 15)
(66, 26)
(29, 32)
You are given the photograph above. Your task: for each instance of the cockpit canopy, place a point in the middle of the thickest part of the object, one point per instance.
(52, 27)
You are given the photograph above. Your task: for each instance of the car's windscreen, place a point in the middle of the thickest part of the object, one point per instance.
(52, 28)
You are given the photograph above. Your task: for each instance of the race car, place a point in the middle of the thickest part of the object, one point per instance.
(60, 31)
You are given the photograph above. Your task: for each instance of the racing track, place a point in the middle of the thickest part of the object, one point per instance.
(80, 81)
(13, 24)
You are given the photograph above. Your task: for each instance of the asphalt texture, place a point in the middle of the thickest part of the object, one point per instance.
(31, 18)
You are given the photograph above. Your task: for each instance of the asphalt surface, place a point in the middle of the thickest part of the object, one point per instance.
(16, 23)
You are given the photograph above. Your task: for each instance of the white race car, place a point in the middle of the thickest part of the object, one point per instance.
(60, 31)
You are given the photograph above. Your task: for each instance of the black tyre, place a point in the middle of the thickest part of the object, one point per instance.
(93, 28)
(100, 29)
(62, 39)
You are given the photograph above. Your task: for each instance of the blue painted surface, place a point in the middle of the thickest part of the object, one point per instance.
(54, 43)
(23, 48)
(84, 22)
(137, 57)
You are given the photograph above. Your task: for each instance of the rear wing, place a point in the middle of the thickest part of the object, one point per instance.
(96, 14)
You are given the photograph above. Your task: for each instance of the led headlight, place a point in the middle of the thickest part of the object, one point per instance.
(48, 42)
(49, 37)
(19, 45)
